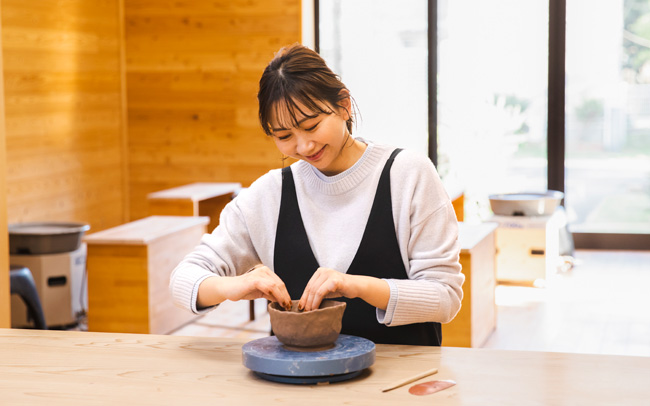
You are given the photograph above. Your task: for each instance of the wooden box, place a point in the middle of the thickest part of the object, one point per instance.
(476, 319)
(528, 248)
(194, 199)
(128, 274)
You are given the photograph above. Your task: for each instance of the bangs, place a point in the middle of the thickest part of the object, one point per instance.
(288, 109)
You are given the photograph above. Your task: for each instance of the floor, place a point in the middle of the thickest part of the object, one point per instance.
(600, 306)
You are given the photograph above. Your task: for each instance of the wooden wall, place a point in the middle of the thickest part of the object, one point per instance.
(193, 69)
(5, 317)
(64, 117)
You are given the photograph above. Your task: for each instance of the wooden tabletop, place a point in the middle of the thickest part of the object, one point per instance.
(82, 368)
(197, 191)
(144, 231)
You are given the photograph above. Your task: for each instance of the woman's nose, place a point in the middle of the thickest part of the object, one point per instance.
(305, 144)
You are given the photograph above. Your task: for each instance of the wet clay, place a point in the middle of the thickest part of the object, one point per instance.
(430, 387)
(316, 330)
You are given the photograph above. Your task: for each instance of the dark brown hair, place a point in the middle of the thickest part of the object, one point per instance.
(298, 75)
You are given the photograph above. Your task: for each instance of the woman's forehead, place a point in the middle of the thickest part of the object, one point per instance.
(288, 113)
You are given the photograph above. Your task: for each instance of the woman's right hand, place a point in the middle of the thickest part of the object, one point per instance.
(259, 282)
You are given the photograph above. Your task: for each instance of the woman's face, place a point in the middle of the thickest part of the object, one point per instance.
(318, 138)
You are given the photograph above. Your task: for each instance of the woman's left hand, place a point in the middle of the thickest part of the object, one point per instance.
(326, 283)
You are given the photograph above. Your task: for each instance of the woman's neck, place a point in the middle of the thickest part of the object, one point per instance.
(351, 152)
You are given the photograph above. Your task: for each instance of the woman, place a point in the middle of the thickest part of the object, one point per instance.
(367, 223)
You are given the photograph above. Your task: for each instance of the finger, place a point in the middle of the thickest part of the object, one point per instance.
(280, 291)
(322, 286)
(272, 287)
(323, 291)
(281, 296)
(308, 294)
(302, 303)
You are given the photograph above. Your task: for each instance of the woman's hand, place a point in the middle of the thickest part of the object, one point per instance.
(329, 283)
(259, 282)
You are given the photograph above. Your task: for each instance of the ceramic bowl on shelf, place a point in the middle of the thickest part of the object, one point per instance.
(39, 238)
(526, 204)
(307, 331)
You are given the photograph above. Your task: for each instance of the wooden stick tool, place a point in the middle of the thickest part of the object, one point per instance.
(411, 379)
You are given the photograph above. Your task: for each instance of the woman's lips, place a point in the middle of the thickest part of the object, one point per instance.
(316, 156)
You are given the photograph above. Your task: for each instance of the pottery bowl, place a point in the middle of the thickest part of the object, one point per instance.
(307, 331)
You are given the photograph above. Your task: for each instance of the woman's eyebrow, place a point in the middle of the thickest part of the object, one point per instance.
(298, 123)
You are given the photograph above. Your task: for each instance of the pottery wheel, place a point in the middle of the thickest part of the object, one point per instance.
(269, 359)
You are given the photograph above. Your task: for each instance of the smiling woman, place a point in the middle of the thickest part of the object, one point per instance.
(322, 139)
(308, 111)
(368, 223)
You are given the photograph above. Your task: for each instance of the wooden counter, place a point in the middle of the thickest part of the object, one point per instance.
(128, 274)
(80, 368)
(195, 199)
(476, 319)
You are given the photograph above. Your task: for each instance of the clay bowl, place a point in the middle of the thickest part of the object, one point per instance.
(315, 330)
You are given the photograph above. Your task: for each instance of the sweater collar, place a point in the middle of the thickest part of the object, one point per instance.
(344, 181)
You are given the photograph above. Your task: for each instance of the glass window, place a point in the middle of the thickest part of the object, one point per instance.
(608, 116)
(379, 48)
(492, 98)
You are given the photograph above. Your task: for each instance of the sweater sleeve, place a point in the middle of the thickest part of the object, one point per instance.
(427, 232)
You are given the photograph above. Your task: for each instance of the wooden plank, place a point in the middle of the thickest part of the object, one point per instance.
(144, 231)
(197, 191)
(5, 313)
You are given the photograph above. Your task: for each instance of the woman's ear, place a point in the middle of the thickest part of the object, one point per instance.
(346, 103)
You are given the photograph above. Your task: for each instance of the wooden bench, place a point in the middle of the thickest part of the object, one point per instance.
(476, 319)
(194, 199)
(128, 274)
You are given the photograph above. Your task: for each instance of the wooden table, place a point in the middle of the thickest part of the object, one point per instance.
(81, 368)
(477, 317)
(128, 274)
(195, 199)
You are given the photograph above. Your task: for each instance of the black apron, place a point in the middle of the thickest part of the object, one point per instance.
(378, 256)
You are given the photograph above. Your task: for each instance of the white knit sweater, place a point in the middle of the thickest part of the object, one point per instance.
(335, 211)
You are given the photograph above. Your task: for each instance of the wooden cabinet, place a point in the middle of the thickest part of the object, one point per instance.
(128, 274)
(476, 319)
(528, 248)
(194, 199)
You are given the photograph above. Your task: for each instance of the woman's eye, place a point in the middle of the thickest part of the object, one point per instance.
(283, 137)
(312, 128)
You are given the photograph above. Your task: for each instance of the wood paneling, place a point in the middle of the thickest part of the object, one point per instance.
(5, 315)
(188, 71)
(192, 77)
(64, 111)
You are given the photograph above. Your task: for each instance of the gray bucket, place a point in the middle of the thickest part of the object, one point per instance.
(41, 238)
